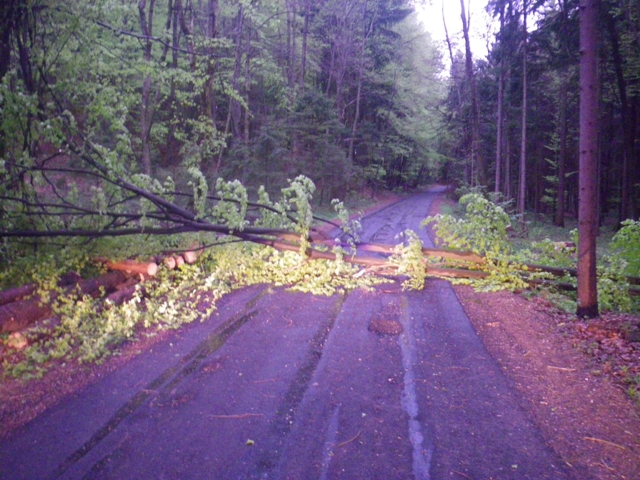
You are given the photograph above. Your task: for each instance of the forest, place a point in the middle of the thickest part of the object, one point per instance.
(131, 128)
(344, 92)
(351, 93)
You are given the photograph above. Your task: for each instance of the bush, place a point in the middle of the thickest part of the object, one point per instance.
(626, 244)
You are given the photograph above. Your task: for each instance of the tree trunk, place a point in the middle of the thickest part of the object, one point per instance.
(7, 21)
(507, 166)
(522, 187)
(562, 158)
(146, 27)
(209, 97)
(365, 34)
(305, 35)
(291, 40)
(499, 120)
(7, 15)
(233, 104)
(628, 122)
(588, 208)
(450, 49)
(247, 92)
(476, 156)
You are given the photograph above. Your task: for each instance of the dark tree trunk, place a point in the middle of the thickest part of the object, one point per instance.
(562, 158)
(305, 35)
(522, 188)
(451, 57)
(628, 122)
(588, 182)
(500, 121)
(476, 156)
(7, 25)
(146, 25)
(366, 31)
(209, 97)
(234, 106)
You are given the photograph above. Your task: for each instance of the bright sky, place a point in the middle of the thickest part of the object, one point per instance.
(482, 25)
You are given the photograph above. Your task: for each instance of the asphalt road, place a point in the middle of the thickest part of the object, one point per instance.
(289, 386)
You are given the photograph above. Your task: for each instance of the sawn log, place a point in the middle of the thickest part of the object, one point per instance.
(18, 315)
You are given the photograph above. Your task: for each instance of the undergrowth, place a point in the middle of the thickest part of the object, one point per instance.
(486, 227)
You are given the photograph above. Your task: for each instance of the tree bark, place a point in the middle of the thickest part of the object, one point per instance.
(305, 35)
(477, 159)
(146, 27)
(234, 83)
(522, 187)
(450, 49)
(499, 120)
(562, 158)
(366, 31)
(588, 208)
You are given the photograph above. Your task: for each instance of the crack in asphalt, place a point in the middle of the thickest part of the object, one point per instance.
(173, 375)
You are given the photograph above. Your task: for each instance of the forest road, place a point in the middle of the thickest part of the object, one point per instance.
(368, 385)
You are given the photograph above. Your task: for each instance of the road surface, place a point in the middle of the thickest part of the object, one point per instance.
(279, 385)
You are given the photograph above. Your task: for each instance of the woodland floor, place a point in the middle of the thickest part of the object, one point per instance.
(571, 375)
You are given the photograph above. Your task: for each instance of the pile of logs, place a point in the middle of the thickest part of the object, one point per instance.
(21, 307)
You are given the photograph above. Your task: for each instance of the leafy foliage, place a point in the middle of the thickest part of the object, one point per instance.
(483, 229)
(626, 244)
(409, 260)
(89, 329)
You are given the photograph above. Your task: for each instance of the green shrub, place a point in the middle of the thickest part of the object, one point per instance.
(626, 244)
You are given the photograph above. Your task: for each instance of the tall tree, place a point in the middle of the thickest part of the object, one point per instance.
(477, 158)
(146, 113)
(523, 135)
(588, 180)
(500, 115)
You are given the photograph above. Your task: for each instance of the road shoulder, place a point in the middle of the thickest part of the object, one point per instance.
(584, 416)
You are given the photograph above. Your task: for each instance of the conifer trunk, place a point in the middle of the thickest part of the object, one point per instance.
(522, 187)
(477, 159)
(588, 182)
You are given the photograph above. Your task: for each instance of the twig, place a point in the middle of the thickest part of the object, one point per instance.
(604, 442)
(240, 416)
(461, 474)
(602, 462)
(350, 440)
(563, 369)
(266, 380)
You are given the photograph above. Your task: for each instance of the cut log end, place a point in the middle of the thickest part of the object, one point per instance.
(131, 266)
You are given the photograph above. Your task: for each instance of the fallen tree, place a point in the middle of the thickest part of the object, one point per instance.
(80, 195)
